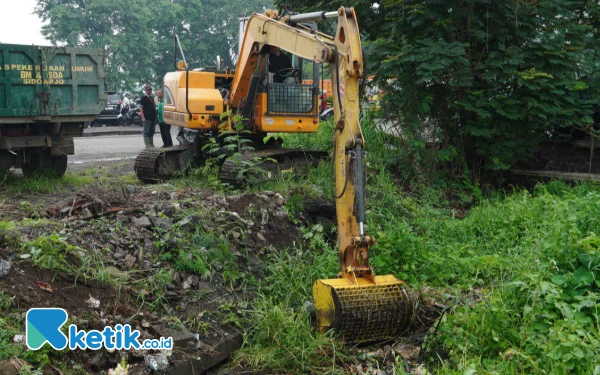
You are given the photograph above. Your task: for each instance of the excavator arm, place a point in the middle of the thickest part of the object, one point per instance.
(262, 30)
(358, 304)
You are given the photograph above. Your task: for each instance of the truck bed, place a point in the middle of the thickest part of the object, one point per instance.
(50, 84)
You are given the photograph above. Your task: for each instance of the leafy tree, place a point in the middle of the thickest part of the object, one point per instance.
(106, 24)
(485, 79)
(138, 35)
(221, 25)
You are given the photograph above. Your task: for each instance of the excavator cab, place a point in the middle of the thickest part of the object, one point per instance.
(285, 102)
(286, 92)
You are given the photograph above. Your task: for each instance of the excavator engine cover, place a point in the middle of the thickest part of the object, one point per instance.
(363, 311)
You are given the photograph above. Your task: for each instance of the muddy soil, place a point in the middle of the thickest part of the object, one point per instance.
(127, 230)
(65, 291)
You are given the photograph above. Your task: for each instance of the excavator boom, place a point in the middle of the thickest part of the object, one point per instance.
(357, 304)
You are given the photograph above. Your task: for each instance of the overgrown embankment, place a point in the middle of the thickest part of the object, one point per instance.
(517, 269)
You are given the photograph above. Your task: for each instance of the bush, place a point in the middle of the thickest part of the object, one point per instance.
(485, 80)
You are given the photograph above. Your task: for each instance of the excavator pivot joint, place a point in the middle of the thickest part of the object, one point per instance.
(363, 240)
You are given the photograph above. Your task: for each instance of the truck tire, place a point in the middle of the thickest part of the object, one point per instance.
(43, 163)
(7, 160)
(59, 165)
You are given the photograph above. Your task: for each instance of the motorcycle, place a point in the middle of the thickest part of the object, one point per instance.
(131, 116)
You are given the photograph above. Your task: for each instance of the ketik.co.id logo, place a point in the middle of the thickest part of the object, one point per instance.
(43, 326)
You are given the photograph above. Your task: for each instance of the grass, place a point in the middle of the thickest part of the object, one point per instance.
(16, 184)
(520, 270)
(538, 309)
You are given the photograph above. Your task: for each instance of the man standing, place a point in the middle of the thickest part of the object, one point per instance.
(148, 112)
(165, 129)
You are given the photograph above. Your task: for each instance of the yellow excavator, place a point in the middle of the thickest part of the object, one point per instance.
(357, 304)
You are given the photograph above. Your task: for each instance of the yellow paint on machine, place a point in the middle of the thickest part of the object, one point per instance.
(204, 100)
(275, 123)
(360, 309)
(203, 122)
(286, 124)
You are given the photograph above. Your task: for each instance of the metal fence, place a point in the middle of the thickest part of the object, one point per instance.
(292, 99)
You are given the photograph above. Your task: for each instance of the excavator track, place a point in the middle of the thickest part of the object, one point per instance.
(159, 164)
(274, 162)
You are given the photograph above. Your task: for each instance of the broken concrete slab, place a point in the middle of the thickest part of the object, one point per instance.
(170, 210)
(130, 261)
(205, 287)
(181, 336)
(210, 357)
(141, 222)
(162, 223)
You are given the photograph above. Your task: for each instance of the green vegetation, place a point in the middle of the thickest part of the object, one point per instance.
(43, 184)
(487, 79)
(520, 272)
(15, 184)
(138, 34)
(519, 269)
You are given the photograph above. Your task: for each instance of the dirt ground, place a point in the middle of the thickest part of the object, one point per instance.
(66, 292)
(143, 241)
(121, 228)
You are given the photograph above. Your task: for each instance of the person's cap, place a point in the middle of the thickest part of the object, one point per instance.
(148, 86)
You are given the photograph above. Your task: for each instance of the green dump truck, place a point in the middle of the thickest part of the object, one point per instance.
(47, 94)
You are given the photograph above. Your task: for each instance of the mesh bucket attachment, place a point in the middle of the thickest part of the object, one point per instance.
(363, 310)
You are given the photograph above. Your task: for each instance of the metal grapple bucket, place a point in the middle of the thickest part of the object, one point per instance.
(363, 310)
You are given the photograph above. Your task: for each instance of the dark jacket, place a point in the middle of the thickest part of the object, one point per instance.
(149, 108)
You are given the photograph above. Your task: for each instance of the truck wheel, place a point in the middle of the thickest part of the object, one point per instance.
(44, 164)
(33, 165)
(59, 166)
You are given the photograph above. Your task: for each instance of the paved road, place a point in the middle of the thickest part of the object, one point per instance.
(112, 147)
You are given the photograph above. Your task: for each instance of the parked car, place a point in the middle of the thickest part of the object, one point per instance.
(111, 114)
